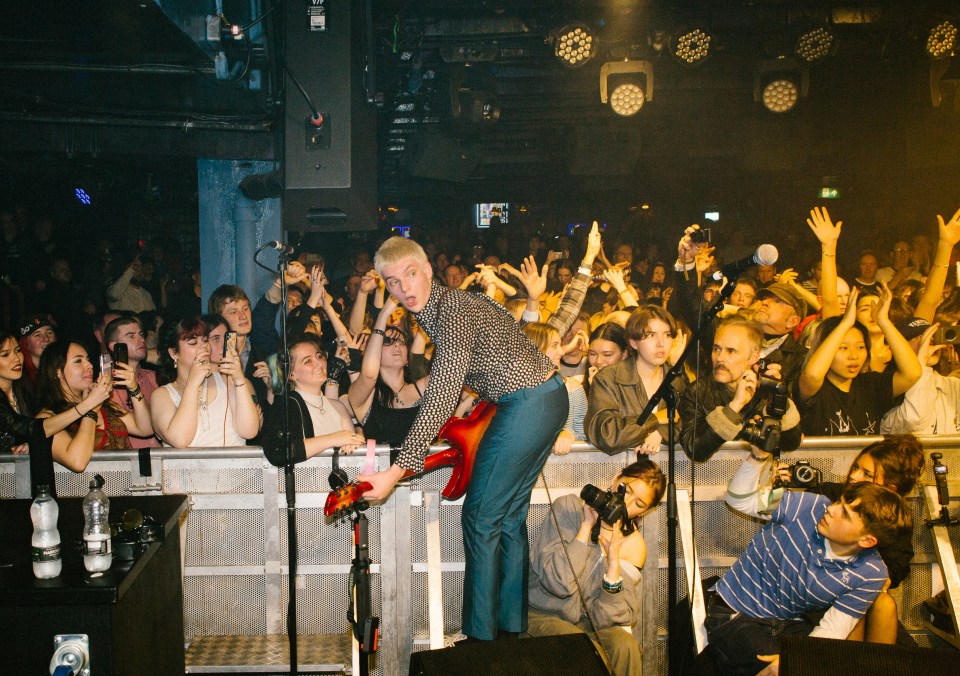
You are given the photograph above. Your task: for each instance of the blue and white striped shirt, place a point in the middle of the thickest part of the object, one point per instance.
(785, 572)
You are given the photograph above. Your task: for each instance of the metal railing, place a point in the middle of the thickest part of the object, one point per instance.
(234, 553)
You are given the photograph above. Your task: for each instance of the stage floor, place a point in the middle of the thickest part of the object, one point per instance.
(316, 653)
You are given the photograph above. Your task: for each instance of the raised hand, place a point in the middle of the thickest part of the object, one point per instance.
(676, 350)
(705, 258)
(98, 393)
(686, 247)
(614, 275)
(295, 273)
(368, 284)
(850, 315)
(746, 388)
(230, 366)
(318, 292)
(594, 242)
(262, 371)
(201, 368)
(822, 227)
(534, 280)
(880, 311)
(926, 351)
(788, 276)
(950, 231)
(124, 376)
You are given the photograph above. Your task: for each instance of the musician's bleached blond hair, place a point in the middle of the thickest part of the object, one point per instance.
(395, 250)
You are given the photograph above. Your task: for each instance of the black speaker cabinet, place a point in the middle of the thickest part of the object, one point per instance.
(806, 656)
(568, 655)
(330, 164)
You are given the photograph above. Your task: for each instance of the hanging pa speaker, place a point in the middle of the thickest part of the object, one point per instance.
(330, 159)
(567, 655)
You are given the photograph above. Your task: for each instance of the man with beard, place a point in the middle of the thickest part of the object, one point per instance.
(717, 408)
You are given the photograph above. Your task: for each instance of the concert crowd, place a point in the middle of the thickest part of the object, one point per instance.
(796, 348)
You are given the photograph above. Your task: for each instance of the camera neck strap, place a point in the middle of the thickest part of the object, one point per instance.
(576, 578)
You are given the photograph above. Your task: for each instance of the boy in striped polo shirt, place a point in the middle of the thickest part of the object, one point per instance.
(812, 555)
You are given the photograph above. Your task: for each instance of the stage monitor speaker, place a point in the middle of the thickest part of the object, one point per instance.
(330, 165)
(808, 656)
(568, 655)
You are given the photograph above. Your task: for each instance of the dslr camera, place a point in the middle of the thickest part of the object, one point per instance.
(609, 505)
(765, 434)
(802, 475)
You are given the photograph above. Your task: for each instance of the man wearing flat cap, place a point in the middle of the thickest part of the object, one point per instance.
(781, 309)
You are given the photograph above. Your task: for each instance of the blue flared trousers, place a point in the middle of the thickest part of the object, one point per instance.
(509, 458)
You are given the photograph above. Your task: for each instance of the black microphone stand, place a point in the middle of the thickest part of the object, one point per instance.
(366, 627)
(943, 494)
(668, 395)
(283, 359)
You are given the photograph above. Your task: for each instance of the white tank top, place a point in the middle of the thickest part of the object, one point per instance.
(215, 425)
(325, 418)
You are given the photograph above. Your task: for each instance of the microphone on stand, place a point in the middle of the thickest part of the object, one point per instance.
(766, 254)
(279, 246)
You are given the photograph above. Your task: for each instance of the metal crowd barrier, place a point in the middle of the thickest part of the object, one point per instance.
(234, 547)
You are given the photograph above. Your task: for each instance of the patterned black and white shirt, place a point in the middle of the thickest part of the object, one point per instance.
(477, 343)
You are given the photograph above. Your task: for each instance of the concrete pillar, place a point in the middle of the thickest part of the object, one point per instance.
(232, 227)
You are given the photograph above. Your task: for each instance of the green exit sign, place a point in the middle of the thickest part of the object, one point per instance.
(829, 193)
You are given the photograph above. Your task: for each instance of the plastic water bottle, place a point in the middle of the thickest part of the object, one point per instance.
(45, 542)
(97, 555)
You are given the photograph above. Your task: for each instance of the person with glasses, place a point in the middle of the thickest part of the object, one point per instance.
(901, 266)
(385, 398)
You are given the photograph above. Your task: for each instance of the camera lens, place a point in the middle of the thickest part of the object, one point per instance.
(803, 474)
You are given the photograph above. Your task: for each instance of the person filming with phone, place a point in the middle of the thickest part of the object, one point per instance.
(126, 343)
(66, 380)
(201, 406)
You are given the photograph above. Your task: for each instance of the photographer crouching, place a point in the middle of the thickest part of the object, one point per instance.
(742, 401)
(585, 564)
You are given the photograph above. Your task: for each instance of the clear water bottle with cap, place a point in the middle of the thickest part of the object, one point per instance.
(97, 555)
(45, 542)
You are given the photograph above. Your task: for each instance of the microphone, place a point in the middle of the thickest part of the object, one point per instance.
(767, 254)
(285, 249)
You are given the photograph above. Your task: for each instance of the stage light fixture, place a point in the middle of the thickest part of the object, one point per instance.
(575, 44)
(626, 85)
(942, 39)
(780, 95)
(692, 45)
(815, 44)
(780, 84)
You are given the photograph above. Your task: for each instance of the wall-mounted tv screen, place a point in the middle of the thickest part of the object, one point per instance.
(483, 212)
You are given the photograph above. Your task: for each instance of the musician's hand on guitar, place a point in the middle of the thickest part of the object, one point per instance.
(382, 482)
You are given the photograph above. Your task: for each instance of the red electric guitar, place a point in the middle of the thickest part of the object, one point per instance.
(464, 436)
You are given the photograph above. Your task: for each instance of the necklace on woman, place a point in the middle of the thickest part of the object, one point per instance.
(318, 404)
(203, 412)
(397, 401)
(12, 399)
